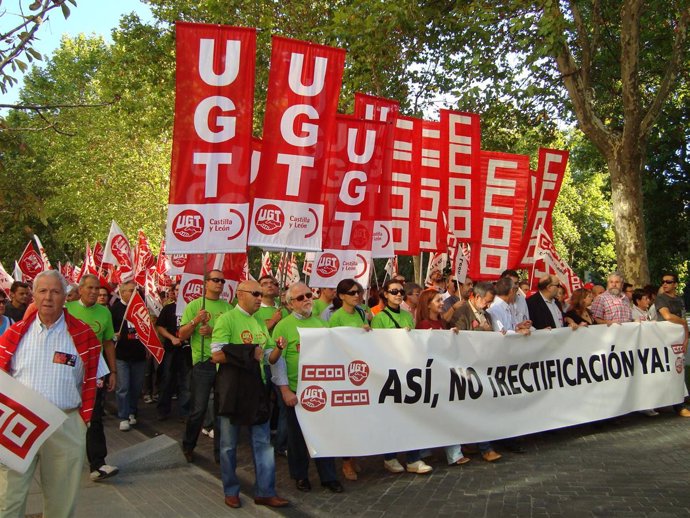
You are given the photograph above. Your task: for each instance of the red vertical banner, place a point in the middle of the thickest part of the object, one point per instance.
(370, 107)
(504, 187)
(548, 179)
(350, 197)
(303, 89)
(405, 206)
(433, 200)
(208, 205)
(460, 157)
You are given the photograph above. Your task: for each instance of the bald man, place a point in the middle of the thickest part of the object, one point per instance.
(238, 345)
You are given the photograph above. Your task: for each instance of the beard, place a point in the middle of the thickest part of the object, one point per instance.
(614, 291)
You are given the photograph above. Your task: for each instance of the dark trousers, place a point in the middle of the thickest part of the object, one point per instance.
(298, 455)
(202, 381)
(174, 371)
(96, 450)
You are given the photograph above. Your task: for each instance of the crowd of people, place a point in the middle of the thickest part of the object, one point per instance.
(236, 364)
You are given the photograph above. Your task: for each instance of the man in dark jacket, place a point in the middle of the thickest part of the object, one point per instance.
(544, 309)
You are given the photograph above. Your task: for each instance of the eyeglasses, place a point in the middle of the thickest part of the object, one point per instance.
(396, 292)
(353, 292)
(3, 301)
(217, 280)
(666, 281)
(254, 293)
(555, 285)
(307, 295)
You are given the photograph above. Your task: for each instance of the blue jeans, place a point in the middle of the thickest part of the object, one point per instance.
(202, 381)
(130, 380)
(262, 452)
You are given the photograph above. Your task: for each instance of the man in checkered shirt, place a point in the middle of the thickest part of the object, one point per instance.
(612, 306)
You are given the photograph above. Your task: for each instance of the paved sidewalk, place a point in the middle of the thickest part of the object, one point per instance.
(635, 466)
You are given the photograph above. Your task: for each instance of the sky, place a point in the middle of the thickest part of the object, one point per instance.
(89, 16)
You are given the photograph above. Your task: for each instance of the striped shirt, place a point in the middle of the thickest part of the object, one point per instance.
(48, 362)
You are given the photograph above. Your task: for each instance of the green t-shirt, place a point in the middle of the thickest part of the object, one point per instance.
(287, 328)
(97, 317)
(216, 308)
(318, 307)
(238, 327)
(266, 313)
(383, 321)
(342, 318)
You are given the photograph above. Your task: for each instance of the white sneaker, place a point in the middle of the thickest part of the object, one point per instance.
(103, 472)
(393, 466)
(148, 399)
(419, 467)
(132, 419)
(208, 433)
(124, 426)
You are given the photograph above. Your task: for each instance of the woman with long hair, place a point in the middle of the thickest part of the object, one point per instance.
(579, 313)
(393, 317)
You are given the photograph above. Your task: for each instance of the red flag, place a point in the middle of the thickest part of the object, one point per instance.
(98, 254)
(209, 179)
(303, 88)
(405, 185)
(163, 261)
(30, 263)
(292, 272)
(354, 175)
(547, 261)
(385, 110)
(547, 184)
(433, 183)
(503, 190)
(460, 157)
(139, 317)
(143, 259)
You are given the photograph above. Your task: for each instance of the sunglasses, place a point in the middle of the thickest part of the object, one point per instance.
(307, 295)
(668, 282)
(353, 292)
(217, 280)
(396, 292)
(254, 293)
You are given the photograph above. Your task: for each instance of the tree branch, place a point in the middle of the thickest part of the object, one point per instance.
(38, 107)
(581, 31)
(678, 51)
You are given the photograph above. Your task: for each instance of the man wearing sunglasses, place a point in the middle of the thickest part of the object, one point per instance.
(612, 306)
(238, 345)
(196, 325)
(299, 301)
(670, 308)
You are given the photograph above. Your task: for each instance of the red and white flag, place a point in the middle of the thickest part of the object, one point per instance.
(504, 187)
(6, 280)
(433, 189)
(460, 158)
(391, 267)
(42, 251)
(547, 184)
(292, 276)
(153, 300)
(461, 261)
(17, 272)
(303, 89)
(437, 262)
(30, 263)
(266, 268)
(27, 419)
(355, 168)
(177, 264)
(137, 314)
(547, 261)
(308, 264)
(208, 204)
(98, 254)
(144, 259)
(118, 251)
(197, 265)
(163, 266)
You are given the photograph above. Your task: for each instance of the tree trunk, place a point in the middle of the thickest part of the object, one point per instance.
(625, 166)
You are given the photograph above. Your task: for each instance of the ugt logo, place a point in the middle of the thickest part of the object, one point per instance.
(188, 225)
(328, 265)
(269, 219)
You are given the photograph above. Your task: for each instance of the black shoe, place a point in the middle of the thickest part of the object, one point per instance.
(333, 485)
(189, 455)
(303, 485)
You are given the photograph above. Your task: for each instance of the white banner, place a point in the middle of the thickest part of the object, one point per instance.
(388, 390)
(27, 419)
(332, 266)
